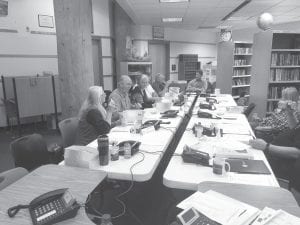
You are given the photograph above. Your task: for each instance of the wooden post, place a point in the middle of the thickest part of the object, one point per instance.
(74, 47)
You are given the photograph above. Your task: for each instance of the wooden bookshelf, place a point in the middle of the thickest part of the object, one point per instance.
(276, 65)
(234, 67)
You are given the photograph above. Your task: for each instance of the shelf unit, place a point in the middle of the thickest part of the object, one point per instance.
(136, 69)
(188, 66)
(234, 67)
(279, 69)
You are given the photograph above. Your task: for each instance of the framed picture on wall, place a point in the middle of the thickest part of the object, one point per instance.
(46, 21)
(3, 8)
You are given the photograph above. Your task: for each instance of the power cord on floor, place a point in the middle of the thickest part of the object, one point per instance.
(99, 216)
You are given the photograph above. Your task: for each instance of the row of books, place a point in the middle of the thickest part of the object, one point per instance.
(240, 62)
(242, 51)
(271, 106)
(285, 59)
(285, 75)
(239, 72)
(241, 81)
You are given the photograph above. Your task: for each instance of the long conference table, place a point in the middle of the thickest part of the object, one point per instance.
(237, 131)
(154, 143)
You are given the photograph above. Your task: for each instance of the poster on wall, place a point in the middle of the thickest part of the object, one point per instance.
(46, 21)
(3, 8)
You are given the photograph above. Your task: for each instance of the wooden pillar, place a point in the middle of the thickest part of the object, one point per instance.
(74, 48)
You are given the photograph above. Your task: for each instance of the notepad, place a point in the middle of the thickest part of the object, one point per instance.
(248, 166)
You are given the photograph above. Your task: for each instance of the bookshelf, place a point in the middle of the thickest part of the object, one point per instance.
(234, 68)
(187, 66)
(276, 65)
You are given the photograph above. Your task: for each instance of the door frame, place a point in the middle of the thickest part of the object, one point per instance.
(167, 48)
(99, 43)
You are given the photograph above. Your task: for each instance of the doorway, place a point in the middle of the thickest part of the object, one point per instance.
(160, 57)
(97, 62)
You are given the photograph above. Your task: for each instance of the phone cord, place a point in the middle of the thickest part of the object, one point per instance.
(15, 209)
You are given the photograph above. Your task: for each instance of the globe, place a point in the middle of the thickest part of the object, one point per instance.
(264, 21)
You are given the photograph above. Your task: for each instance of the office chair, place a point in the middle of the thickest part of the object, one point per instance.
(249, 109)
(30, 151)
(10, 176)
(68, 130)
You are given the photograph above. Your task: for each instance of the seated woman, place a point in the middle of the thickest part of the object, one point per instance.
(159, 85)
(278, 120)
(94, 120)
(143, 93)
(242, 101)
(283, 151)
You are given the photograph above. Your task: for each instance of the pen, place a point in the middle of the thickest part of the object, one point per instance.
(242, 212)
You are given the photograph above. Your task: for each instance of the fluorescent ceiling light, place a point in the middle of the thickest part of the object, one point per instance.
(237, 18)
(242, 5)
(175, 19)
(172, 1)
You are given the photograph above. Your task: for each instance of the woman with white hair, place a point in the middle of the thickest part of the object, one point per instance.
(279, 120)
(94, 120)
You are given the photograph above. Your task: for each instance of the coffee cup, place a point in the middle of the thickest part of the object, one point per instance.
(220, 166)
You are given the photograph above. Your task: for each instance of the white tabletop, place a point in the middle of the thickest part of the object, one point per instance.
(154, 144)
(187, 176)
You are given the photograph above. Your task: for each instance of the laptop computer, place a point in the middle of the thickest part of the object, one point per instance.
(248, 166)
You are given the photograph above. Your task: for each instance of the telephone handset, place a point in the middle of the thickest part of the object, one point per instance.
(49, 208)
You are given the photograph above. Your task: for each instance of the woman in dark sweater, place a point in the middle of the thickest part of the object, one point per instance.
(94, 120)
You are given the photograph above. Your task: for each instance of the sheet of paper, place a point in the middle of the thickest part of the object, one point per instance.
(265, 216)
(284, 218)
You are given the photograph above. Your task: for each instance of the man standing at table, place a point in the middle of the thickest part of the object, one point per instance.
(197, 84)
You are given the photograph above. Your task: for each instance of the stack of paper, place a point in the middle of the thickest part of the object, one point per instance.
(220, 208)
(228, 211)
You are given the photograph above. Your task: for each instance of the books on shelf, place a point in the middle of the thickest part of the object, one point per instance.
(239, 72)
(285, 59)
(240, 62)
(241, 81)
(241, 51)
(285, 74)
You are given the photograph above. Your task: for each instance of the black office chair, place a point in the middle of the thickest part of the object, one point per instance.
(249, 109)
(294, 181)
(30, 151)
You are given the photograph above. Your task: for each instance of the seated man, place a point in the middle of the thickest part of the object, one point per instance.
(284, 149)
(197, 84)
(143, 93)
(159, 85)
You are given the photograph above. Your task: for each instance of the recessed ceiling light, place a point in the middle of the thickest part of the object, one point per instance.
(170, 20)
(172, 1)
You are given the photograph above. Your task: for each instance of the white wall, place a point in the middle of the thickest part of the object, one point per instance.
(202, 43)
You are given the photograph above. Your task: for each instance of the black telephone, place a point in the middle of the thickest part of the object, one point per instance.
(202, 114)
(155, 123)
(169, 114)
(135, 146)
(49, 208)
(207, 106)
(190, 155)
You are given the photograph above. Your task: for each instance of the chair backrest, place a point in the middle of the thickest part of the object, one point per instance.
(181, 85)
(294, 175)
(249, 109)
(30, 151)
(10, 176)
(68, 130)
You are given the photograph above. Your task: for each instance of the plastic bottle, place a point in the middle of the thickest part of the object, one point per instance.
(103, 149)
(106, 220)
(127, 150)
(114, 152)
(139, 122)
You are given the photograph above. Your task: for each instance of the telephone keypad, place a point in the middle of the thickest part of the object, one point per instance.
(49, 210)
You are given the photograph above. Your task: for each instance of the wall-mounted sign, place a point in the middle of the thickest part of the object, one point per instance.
(46, 21)
(3, 8)
(158, 33)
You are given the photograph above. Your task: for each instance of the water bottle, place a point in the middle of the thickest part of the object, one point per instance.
(127, 150)
(106, 220)
(114, 152)
(139, 122)
(103, 149)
